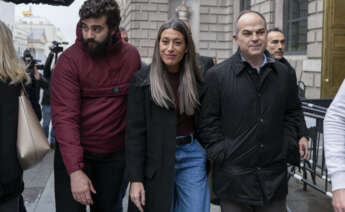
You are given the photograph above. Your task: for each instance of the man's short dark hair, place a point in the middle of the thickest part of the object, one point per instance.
(99, 8)
(275, 29)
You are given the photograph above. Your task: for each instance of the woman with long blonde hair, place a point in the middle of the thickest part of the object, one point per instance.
(12, 75)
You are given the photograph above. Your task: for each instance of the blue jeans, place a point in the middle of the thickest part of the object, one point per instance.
(191, 185)
(46, 112)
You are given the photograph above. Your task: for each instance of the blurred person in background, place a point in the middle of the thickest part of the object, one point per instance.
(37, 82)
(46, 109)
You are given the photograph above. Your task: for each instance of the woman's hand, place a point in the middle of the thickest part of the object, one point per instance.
(137, 194)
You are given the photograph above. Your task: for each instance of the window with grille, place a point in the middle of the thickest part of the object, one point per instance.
(295, 26)
(245, 5)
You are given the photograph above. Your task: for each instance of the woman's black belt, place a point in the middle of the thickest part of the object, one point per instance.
(182, 140)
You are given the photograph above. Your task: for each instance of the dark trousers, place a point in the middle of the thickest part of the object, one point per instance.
(125, 182)
(11, 205)
(106, 175)
(274, 206)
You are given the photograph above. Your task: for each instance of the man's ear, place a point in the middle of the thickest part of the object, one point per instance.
(234, 36)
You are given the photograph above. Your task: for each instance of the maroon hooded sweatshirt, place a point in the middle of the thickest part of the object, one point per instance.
(89, 99)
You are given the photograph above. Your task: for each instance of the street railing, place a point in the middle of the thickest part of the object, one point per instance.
(313, 171)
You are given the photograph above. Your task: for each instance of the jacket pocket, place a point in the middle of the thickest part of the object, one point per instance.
(113, 91)
(239, 184)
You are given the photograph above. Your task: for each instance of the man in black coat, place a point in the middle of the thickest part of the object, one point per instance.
(249, 114)
(276, 47)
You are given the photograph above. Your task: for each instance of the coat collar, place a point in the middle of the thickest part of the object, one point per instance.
(240, 63)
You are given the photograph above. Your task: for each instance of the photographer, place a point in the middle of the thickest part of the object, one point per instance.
(37, 82)
(46, 110)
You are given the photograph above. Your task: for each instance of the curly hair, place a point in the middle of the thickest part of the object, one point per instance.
(99, 8)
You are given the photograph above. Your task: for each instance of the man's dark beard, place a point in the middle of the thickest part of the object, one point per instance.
(99, 48)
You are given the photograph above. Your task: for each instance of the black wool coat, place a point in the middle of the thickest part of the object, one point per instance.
(206, 63)
(150, 145)
(11, 183)
(246, 123)
(302, 131)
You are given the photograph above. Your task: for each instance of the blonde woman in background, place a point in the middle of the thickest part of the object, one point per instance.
(12, 74)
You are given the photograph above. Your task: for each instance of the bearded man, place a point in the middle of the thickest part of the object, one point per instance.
(89, 89)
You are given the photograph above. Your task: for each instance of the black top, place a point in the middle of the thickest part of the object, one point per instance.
(185, 123)
(10, 170)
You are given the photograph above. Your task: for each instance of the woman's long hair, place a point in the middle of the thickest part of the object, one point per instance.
(190, 73)
(12, 69)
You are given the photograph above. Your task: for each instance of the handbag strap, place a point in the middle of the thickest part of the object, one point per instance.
(23, 89)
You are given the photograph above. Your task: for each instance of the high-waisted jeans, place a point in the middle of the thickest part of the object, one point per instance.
(191, 193)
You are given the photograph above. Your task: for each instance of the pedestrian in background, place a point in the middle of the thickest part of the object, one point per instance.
(37, 82)
(165, 162)
(12, 77)
(46, 109)
(276, 47)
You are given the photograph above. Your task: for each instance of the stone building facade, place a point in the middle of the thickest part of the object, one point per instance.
(212, 27)
(40, 34)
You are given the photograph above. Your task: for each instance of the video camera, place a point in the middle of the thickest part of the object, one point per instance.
(31, 63)
(56, 48)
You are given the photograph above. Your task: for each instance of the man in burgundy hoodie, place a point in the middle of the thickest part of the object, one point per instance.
(89, 89)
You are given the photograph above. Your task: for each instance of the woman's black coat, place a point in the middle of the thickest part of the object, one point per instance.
(150, 145)
(11, 183)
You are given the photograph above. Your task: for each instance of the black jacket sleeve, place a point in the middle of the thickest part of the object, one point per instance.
(47, 65)
(136, 131)
(302, 128)
(31, 90)
(210, 129)
(43, 83)
(293, 114)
